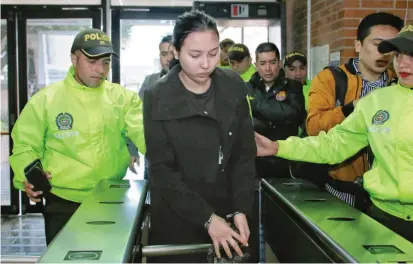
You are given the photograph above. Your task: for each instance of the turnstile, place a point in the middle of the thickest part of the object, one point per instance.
(107, 228)
(303, 223)
(104, 228)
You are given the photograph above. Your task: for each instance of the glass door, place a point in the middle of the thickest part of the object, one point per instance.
(48, 50)
(4, 121)
(136, 35)
(9, 195)
(140, 58)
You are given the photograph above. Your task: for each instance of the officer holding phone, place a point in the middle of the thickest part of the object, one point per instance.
(39, 184)
(72, 134)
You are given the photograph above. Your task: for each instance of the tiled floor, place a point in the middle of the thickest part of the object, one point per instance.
(22, 235)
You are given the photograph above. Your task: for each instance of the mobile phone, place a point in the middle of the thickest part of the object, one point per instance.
(35, 162)
(36, 177)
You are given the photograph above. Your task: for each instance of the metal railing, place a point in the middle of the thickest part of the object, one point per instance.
(19, 259)
(168, 250)
(325, 229)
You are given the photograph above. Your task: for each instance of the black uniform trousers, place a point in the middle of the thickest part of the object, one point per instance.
(56, 212)
(400, 226)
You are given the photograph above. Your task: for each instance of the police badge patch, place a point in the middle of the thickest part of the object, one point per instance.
(64, 121)
(281, 95)
(380, 117)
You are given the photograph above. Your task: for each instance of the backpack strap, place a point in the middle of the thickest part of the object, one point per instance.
(340, 77)
(393, 81)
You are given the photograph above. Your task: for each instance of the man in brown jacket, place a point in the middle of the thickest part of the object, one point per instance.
(367, 72)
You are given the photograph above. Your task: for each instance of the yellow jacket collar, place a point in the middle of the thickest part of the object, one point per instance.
(71, 81)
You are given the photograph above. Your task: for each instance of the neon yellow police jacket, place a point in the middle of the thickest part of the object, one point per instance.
(383, 120)
(79, 134)
(306, 92)
(246, 76)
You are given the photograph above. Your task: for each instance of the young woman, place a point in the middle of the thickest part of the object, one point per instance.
(200, 146)
(382, 120)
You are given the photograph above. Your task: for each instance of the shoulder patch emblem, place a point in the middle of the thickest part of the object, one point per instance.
(281, 95)
(380, 117)
(64, 121)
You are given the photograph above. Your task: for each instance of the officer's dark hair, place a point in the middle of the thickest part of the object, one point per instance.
(376, 19)
(226, 43)
(166, 39)
(267, 47)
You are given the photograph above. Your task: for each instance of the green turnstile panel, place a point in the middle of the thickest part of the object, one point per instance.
(351, 234)
(104, 228)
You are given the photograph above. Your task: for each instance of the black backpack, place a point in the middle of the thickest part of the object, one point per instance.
(340, 78)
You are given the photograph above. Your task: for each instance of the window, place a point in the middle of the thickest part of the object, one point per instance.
(253, 36)
(234, 33)
(48, 49)
(139, 54)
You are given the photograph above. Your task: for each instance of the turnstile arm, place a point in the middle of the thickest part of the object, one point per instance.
(168, 250)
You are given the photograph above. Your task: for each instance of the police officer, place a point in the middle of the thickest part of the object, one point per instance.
(295, 65)
(368, 72)
(383, 120)
(240, 60)
(77, 128)
(277, 105)
(224, 45)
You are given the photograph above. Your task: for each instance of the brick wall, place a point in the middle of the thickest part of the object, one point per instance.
(296, 25)
(335, 22)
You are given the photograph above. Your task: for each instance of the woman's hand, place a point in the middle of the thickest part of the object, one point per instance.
(241, 223)
(222, 234)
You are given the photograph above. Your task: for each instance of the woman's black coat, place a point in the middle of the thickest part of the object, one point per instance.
(187, 183)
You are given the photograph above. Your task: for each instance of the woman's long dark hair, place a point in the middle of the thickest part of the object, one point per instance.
(173, 62)
(194, 21)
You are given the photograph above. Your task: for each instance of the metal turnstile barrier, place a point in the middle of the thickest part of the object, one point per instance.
(169, 250)
(139, 252)
(104, 228)
(109, 227)
(303, 224)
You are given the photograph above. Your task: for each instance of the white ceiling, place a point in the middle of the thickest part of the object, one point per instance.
(115, 2)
